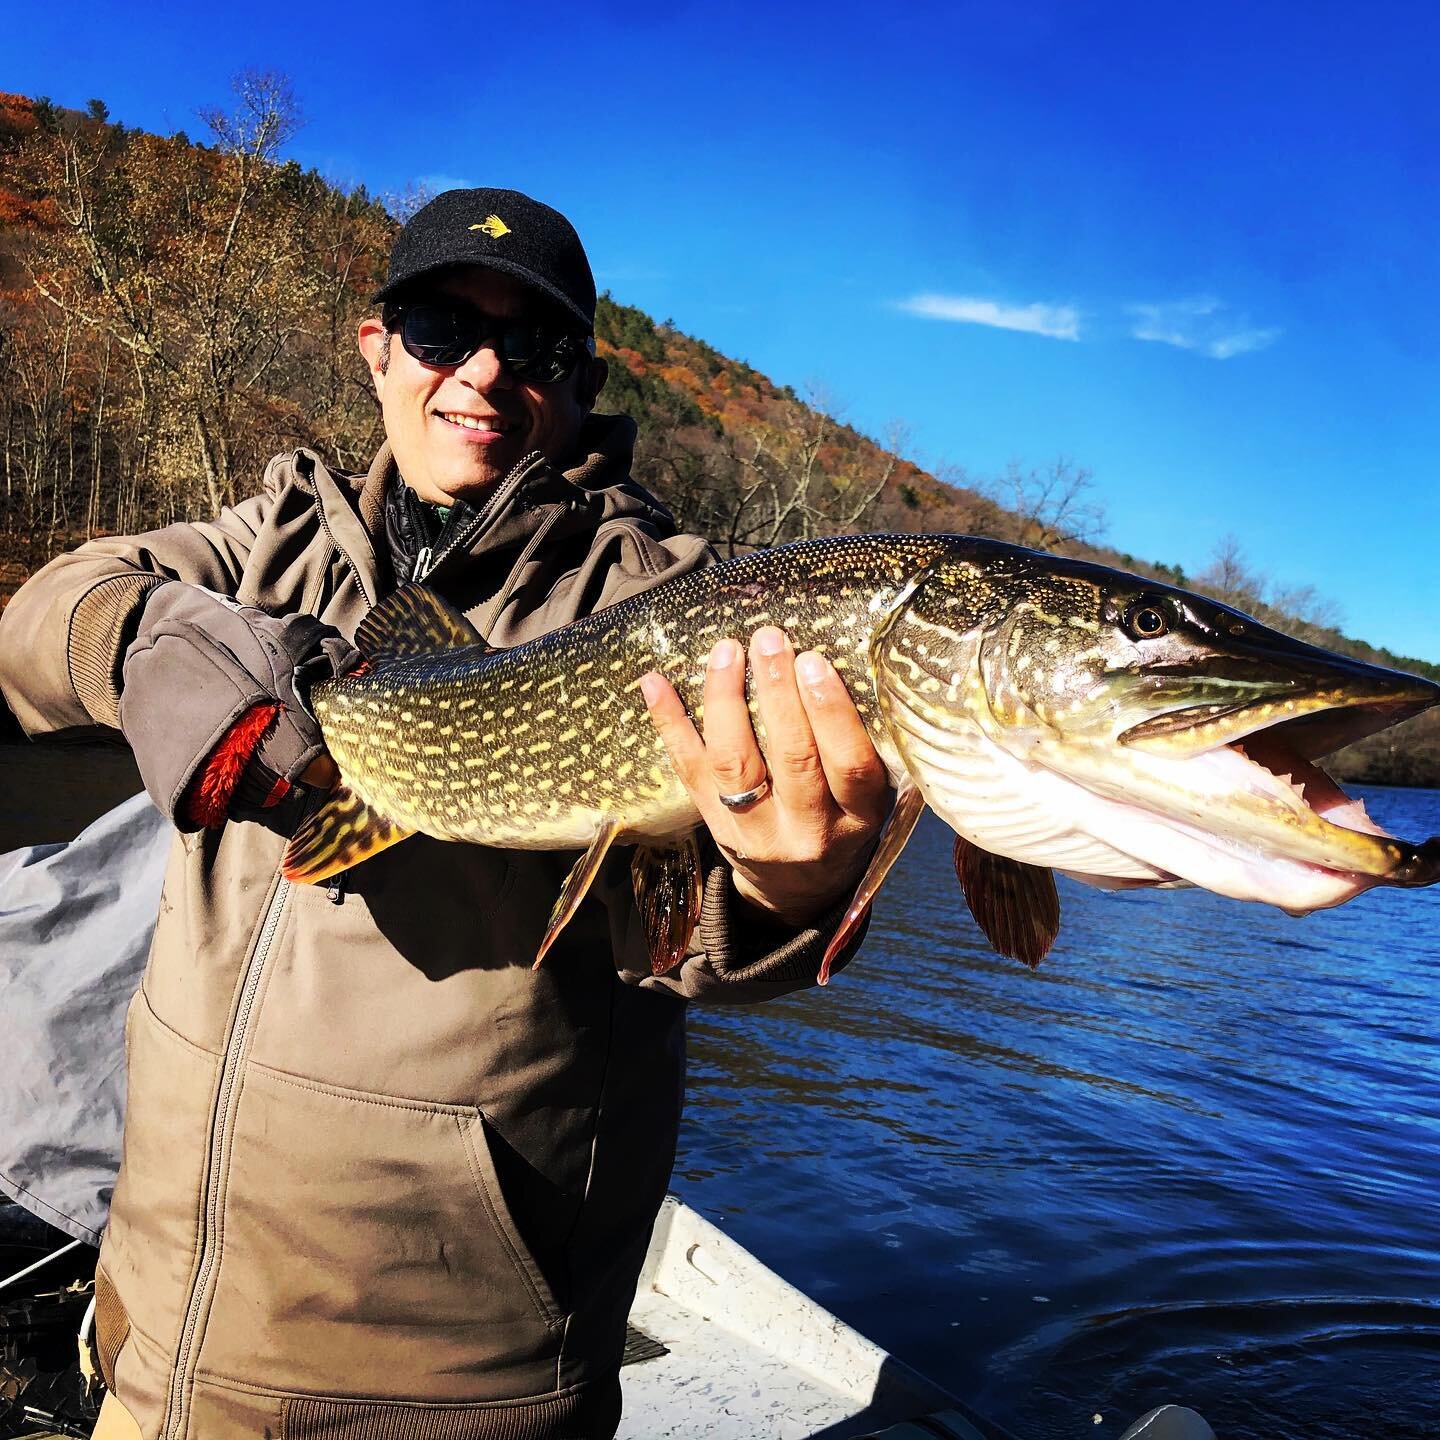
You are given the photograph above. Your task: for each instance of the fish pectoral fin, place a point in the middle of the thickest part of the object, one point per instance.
(1016, 905)
(413, 621)
(904, 815)
(341, 833)
(668, 895)
(577, 882)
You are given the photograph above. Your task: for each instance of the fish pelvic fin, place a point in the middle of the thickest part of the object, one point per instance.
(668, 894)
(577, 882)
(904, 816)
(341, 833)
(1016, 905)
(413, 621)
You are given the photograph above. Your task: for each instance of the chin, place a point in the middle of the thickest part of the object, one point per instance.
(472, 487)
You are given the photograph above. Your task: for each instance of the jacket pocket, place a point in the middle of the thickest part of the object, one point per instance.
(368, 1250)
(149, 1246)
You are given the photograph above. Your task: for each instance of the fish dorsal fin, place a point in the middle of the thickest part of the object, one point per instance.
(341, 833)
(413, 621)
(1015, 904)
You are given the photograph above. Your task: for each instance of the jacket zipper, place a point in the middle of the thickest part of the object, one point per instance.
(227, 1097)
(221, 1126)
(487, 513)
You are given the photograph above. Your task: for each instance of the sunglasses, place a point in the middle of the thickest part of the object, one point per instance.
(447, 333)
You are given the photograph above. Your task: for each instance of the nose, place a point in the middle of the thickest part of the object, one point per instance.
(484, 370)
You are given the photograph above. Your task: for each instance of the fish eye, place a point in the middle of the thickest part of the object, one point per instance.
(1145, 620)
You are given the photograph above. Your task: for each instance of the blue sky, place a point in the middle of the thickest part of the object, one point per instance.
(1194, 248)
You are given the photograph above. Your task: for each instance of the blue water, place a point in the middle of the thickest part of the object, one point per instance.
(1196, 1157)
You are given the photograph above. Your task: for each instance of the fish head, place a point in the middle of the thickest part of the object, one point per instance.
(1118, 727)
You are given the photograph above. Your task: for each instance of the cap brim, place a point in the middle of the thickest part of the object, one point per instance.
(507, 267)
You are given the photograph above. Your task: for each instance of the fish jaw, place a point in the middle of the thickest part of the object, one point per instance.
(1248, 764)
(1225, 822)
(1104, 835)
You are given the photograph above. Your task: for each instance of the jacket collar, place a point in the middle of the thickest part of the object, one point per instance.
(503, 527)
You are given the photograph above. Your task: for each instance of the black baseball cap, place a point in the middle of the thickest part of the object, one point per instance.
(498, 230)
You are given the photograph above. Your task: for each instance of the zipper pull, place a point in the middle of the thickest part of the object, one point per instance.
(423, 561)
(335, 890)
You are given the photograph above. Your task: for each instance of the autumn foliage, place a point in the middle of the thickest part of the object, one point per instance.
(173, 313)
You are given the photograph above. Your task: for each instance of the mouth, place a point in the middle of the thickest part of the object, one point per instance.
(478, 429)
(1275, 765)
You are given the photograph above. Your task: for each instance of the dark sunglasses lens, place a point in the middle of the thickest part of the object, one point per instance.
(439, 334)
(536, 354)
(449, 335)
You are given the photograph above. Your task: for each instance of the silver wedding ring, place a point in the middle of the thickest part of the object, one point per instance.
(746, 797)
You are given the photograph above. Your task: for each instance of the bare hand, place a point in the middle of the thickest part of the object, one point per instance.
(802, 845)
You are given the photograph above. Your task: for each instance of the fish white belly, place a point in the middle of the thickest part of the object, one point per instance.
(1006, 806)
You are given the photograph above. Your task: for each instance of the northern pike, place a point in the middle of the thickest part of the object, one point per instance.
(1056, 714)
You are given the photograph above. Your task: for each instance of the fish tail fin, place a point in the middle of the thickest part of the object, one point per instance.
(341, 833)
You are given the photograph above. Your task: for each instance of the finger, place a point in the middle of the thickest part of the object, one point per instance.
(677, 732)
(854, 770)
(790, 750)
(321, 772)
(733, 754)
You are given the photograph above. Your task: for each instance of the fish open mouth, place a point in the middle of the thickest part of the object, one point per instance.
(1289, 749)
(1275, 759)
(1274, 753)
(1257, 730)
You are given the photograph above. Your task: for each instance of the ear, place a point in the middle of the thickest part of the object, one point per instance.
(592, 382)
(372, 344)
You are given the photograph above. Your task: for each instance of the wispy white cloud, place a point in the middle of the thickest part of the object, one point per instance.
(1203, 324)
(1058, 322)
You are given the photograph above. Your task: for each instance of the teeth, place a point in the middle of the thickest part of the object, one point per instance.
(470, 422)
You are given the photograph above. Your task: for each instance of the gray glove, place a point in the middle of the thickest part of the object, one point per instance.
(200, 661)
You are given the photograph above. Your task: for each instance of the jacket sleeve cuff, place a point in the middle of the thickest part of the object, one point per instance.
(746, 956)
(208, 797)
(101, 629)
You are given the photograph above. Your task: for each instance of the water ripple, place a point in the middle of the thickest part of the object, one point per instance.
(1195, 1157)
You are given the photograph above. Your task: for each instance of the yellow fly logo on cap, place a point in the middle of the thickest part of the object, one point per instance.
(493, 226)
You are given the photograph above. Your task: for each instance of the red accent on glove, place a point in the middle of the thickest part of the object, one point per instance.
(207, 801)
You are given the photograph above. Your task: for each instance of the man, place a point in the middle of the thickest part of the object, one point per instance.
(380, 1178)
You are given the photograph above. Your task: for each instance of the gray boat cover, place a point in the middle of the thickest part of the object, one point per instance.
(75, 927)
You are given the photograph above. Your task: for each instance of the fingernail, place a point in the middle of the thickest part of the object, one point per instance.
(650, 687)
(769, 640)
(724, 655)
(812, 668)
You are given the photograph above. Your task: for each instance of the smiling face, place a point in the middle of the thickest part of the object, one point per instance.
(457, 430)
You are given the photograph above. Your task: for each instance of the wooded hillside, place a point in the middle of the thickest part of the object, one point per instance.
(174, 312)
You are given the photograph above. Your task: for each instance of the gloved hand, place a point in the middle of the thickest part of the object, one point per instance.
(209, 683)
